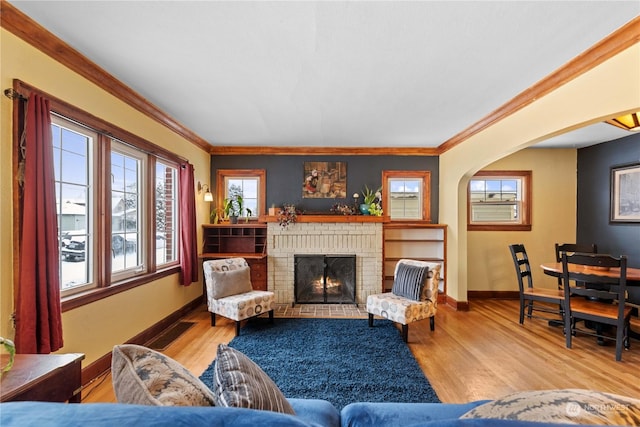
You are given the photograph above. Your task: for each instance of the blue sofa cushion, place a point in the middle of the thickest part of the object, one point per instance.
(369, 414)
(316, 411)
(39, 414)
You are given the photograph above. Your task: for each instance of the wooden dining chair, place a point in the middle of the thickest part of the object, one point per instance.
(573, 248)
(529, 294)
(605, 305)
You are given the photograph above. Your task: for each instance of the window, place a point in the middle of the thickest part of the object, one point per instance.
(73, 148)
(127, 209)
(407, 195)
(500, 200)
(248, 183)
(138, 241)
(166, 207)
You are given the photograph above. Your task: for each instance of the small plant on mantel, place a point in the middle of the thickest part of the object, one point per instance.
(288, 215)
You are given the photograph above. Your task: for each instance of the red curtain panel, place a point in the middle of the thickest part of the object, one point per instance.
(188, 244)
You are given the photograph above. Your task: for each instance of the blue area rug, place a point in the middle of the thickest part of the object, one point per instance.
(339, 360)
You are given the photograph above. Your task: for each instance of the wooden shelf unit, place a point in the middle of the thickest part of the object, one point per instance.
(248, 241)
(424, 242)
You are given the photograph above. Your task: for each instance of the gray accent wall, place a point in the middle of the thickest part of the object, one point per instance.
(594, 199)
(285, 176)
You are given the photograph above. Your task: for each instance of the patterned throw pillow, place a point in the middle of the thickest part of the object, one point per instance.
(409, 281)
(145, 377)
(569, 406)
(231, 282)
(239, 382)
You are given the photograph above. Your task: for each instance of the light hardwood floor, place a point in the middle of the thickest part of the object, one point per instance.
(479, 354)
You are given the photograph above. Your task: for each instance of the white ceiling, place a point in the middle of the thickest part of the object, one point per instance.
(334, 73)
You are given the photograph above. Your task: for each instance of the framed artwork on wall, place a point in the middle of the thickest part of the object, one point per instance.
(625, 193)
(325, 180)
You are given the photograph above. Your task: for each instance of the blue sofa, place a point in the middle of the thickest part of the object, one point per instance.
(309, 413)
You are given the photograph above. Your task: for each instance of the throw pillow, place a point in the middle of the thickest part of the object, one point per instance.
(145, 377)
(231, 282)
(569, 406)
(239, 382)
(409, 281)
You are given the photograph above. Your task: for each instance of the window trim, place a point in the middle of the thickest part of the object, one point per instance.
(223, 174)
(425, 176)
(526, 202)
(106, 131)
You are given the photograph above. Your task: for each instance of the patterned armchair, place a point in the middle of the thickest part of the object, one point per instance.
(414, 295)
(230, 294)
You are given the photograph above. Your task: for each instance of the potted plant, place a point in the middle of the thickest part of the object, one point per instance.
(233, 206)
(370, 198)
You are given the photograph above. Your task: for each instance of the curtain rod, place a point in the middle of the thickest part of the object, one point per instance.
(13, 94)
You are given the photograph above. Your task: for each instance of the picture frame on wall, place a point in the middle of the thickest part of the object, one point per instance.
(325, 180)
(625, 193)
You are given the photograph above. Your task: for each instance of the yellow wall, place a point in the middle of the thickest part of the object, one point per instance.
(606, 90)
(92, 329)
(553, 220)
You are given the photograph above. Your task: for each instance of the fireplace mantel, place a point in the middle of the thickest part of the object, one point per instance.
(330, 218)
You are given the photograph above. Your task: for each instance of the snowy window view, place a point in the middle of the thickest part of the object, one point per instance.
(405, 198)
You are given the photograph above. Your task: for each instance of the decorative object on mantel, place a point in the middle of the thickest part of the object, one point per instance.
(10, 347)
(288, 215)
(372, 201)
(343, 209)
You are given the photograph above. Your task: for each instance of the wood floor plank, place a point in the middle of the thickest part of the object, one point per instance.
(483, 353)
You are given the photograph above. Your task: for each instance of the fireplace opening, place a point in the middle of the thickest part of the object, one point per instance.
(325, 279)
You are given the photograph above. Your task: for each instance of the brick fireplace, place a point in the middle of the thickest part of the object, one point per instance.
(321, 236)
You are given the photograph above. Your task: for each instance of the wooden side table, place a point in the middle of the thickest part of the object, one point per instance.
(43, 377)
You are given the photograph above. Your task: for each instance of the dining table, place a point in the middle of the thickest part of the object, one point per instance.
(633, 280)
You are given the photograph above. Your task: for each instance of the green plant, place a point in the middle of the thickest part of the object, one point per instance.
(233, 206)
(370, 196)
(10, 347)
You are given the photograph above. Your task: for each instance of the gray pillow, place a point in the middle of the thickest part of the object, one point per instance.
(231, 282)
(569, 406)
(240, 383)
(145, 377)
(409, 281)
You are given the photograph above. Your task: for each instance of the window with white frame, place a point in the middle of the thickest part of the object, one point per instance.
(137, 188)
(128, 166)
(73, 148)
(166, 207)
(499, 200)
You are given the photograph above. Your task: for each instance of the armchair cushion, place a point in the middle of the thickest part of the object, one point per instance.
(231, 282)
(240, 383)
(409, 280)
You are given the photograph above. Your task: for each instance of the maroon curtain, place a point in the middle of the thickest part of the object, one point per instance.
(38, 311)
(188, 244)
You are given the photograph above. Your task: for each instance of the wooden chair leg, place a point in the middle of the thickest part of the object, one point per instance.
(432, 323)
(237, 327)
(405, 333)
(271, 316)
(370, 320)
(213, 319)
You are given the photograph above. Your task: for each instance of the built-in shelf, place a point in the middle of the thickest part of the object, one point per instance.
(248, 241)
(423, 242)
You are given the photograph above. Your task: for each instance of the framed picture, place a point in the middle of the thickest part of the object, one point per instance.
(625, 193)
(325, 180)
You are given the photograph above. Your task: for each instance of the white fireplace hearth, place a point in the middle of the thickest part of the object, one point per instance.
(364, 239)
